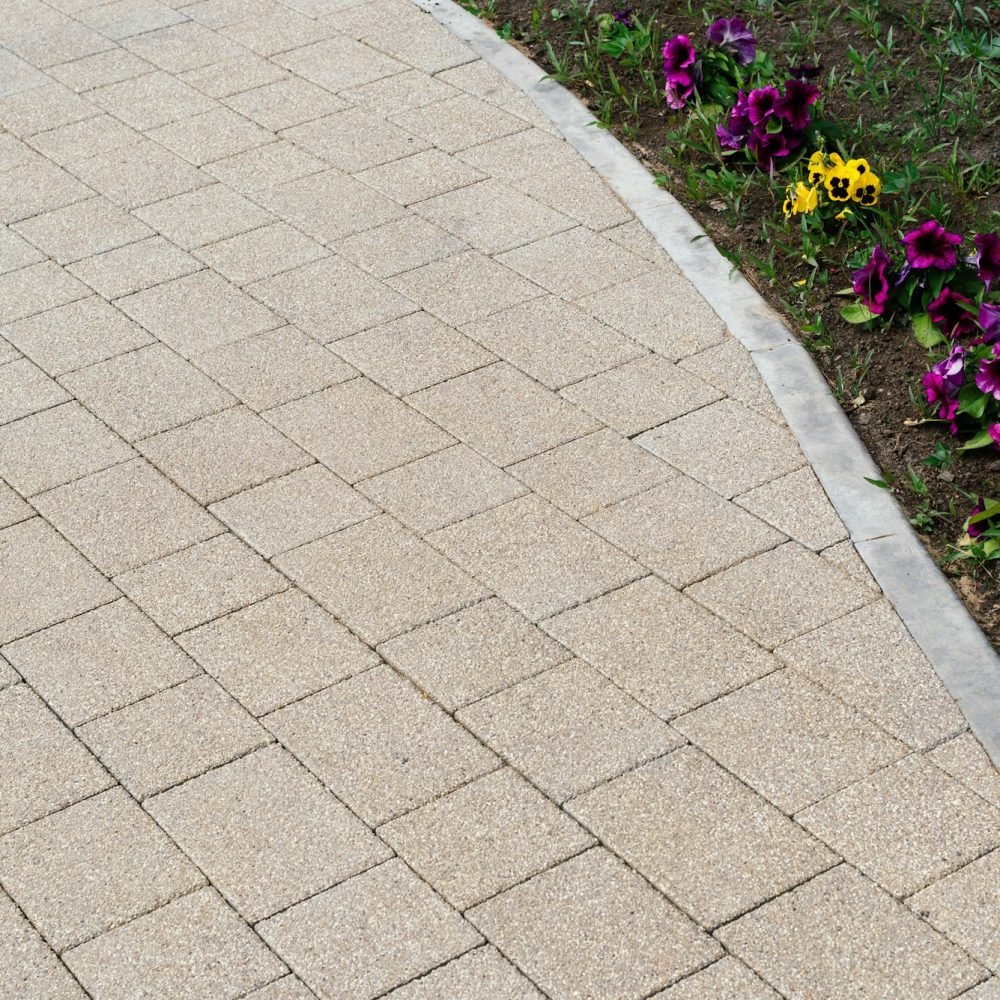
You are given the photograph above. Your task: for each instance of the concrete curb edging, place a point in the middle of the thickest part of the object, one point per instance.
(931, 611)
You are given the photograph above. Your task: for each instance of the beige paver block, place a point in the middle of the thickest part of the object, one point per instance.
(144, 102)
(338, 63)
(965, 759)
(266, 832)
(729, 367)
(781, 594)
(35, 289)
(91, 867)
(126, 516)
(260, 253)
(134, 267)
(181, 47)
(251, 652)
(8, 675)
(223, 454)
(172, 736)
(124, 18)
(513, 156)
(286, 988)
(553, 341)
(8, 352)
(660, 309)
(485, 837)
(45, 581)
(535, 557)
(145, 392)
(80, 140)
(198, 312)
(358, 430)
(483, 972)
(99, 661)
(702, 837)
(373, 932)
(398, 246)
(99, 70)
(661, 647)
(217, 14)
(502, 413)
(420, 176)
(40, 108)
(442, 488)
(666, 529)
(211, 136)
(416, 39)
(276, 30)
(592, 472)
(35, 186)
(986, 991)
(82, 230)
(906, 825)
(295, 509)
(727, 447)
(578, 191)
(285, 103)
(574, 263)
(472, 653)
(790, 740)
(25, 389)
(204, 216)
(380, 745)
(393, 94)
(233, 76)
(200, 583)
(379, 578)
(331, 298)
(879, 948)
(47, 767)
(13, 509)
(261, 171)
(592, 927)
(569, 729)
(459, 122)
(845, 556)
(16, 252)
(31, 970)
(870, 661)
(727, 979)
(194, 947)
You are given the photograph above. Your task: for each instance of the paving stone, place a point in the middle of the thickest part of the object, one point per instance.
(379, 578)
(481, 80)
(266, 832)
(35, 289)
(419, 41)
(592, 927)
(99, 70)
(464, 287)
(49, 769)
(502, 413)
(233, 76)
(729, 367)
(577, 191)
(13, 509)
(211, 136)
(371, 933)
(331, 298)
(80, 140)
(661, 647)
(569, 729)
(380, 745)
(286, 988)
(135, 267)
(173, 736)
(339, 63)
(57, 446)
(194, 947)
(41, 108)
(82, 230)
(25, 389)
(472, 653)
(962, 906)
(660, 309)
(574, 263)
(781, 594)
(398, 246)
(217, 14)
(986, 991)
(553, 341)
(592, 472)
(223, 454)
(459, 122)
(727, 979)
(484, 838)
(197, 313)
(701, 836)
(870, 661)
(515, 156)
(262, 171)
(276, 31)
(16, 252)
(60, 40)
(845, 557)
(144, 102)
(285, 103)
(91, 867)
(260, 253)
(421, 176)
(880, 948)
(906, 825)
(358, 430)
(204, 216)
(124, 18)
(295, 509)
(181, 47)
(31, 970)
(483, 972)
(965, 759)
(393, 94)
(250, 652)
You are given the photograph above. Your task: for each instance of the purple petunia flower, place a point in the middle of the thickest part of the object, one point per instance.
(987, 257)
(793, 106)
(733, 135)
(624, 16)
(988, 376)
(871, 282)
(769, 148)
(994, 430)
(943, 383)
(929, 245)
(680, 69)
(989, 320)
(947, 312)
(761, 104)
(805, 73)
(975, 530)
(732, 33)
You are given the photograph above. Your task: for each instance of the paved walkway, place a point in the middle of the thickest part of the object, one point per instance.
(408, 586)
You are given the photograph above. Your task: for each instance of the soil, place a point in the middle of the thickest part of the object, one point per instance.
(885, 404)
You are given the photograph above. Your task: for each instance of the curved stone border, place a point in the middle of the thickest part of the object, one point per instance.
(926, 603)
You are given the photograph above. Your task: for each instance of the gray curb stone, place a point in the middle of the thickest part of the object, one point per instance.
(926, 603)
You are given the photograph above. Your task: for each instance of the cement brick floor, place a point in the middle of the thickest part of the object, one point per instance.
(408, 586)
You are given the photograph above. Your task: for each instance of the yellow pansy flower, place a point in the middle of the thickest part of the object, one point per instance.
(867, 187)
(801, 199)
(817, 167)
(839, 182)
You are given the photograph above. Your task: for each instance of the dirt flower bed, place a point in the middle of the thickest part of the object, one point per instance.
(845, 157)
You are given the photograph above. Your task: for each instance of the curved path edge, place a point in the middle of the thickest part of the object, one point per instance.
(934, 615)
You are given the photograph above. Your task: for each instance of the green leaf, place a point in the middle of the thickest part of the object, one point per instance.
(856, 313)
(880, 483)
(980, 440)
(926, 333)
(972, 402)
